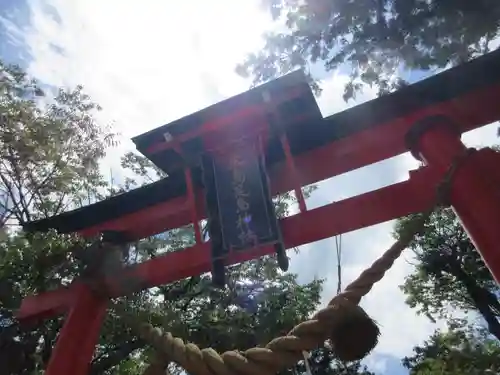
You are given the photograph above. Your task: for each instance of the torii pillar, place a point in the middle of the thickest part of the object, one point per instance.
(474, 190)
(71, 354)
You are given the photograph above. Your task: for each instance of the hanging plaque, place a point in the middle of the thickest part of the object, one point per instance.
(245, 210)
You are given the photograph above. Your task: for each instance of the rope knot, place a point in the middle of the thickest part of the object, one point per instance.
(352, 334)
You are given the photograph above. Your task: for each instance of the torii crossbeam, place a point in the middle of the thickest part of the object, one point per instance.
(427, 118)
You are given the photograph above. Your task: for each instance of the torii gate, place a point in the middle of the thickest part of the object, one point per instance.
(426, 118)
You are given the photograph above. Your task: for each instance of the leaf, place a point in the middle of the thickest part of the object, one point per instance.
(449, 272)
(419, 35)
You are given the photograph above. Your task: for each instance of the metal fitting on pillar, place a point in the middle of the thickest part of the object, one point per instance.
(422, 127)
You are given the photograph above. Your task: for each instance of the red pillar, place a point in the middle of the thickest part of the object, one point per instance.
(76, 343)
(475, 188)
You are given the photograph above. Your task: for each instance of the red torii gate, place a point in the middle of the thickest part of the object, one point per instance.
(427, 118)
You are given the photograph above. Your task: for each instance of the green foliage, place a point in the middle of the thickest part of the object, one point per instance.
(49, 162)
(34, 264)
(449, 274)
(49, 149)
(29, 265)
(375, 39)
(142, 167)
(211, 317)
(461, 350)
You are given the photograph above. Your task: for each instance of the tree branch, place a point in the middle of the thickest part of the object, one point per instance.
(38, 186)
(18, 182)
(18, 213)
(115, 356)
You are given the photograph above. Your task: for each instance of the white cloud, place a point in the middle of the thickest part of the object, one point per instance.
(331, 100)
(377, 365)
(494, 44)
(148, 63)
(145, 63)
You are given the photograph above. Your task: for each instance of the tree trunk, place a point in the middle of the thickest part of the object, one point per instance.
(480, 297)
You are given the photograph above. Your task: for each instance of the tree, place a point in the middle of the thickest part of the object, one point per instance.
(49, 148)
(449, 273)
(461, 350)
(375, 38)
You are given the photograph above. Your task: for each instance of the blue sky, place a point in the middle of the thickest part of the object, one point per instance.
(150, 62)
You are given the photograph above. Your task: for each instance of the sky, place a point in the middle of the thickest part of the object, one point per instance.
(150, 62)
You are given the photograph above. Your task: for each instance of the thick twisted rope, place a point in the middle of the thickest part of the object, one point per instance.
(351, 332)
